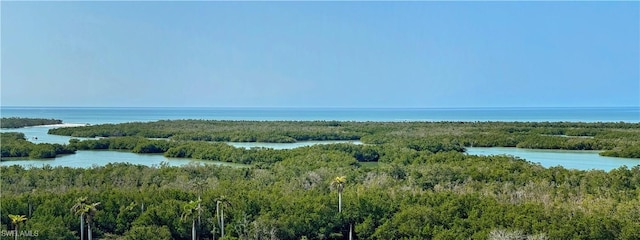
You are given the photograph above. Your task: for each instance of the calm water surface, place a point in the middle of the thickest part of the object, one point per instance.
(38, 134)
(285, 145)
(87, 159)
(573, 159)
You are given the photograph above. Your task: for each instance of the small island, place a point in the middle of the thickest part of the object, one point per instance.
(187, 136)
(17, 122)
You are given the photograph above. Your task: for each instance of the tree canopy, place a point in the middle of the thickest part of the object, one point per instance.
(441, 195)
(15, 122)
(407, 181)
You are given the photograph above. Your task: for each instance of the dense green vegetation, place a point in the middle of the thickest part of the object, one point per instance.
(233, 131)
(416, 195)
(409, 181)
(631, 151)
(15, 145)
(620, 139)
(15, 122)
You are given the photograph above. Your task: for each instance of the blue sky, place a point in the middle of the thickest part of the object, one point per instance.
(320, 54)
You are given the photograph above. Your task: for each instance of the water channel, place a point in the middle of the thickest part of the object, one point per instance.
(582, 160)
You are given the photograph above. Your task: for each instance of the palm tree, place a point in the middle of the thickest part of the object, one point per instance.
(91, 211)
(220, 212)
(84, 210)
(189, 211)
(79, 209)
(199, 184)
(16, 220)
(339, 182)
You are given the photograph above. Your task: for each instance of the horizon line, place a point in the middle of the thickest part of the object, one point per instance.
(326, 107)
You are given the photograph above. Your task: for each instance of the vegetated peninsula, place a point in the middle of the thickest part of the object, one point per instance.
(17, 122)
(15, 145)
(616, 139)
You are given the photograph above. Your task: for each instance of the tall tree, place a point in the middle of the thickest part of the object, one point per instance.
(199, 184)
(91, 211)
(190, 211)
(338, 183)
(79, 209)
(16, 220)
(220, 202)
(86, 211)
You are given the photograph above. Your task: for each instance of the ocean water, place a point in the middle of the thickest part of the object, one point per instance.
(120, 115)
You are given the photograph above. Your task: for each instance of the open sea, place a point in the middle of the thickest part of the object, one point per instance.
(86, 115)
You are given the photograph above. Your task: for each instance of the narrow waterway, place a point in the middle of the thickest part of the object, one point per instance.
(573, 159)
(87, 159)
(582, 160)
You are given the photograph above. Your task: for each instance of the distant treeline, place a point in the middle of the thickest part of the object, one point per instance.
(219, 131)
(619, 139)
(16, 122)
(15, 145)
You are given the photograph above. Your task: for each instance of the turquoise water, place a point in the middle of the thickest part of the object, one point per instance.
(573, 159)
(87, 159)
(284, 145)
(38, 134)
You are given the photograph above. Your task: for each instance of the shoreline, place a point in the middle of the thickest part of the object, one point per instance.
(49, 126)
(63, 125)
(56, 125)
